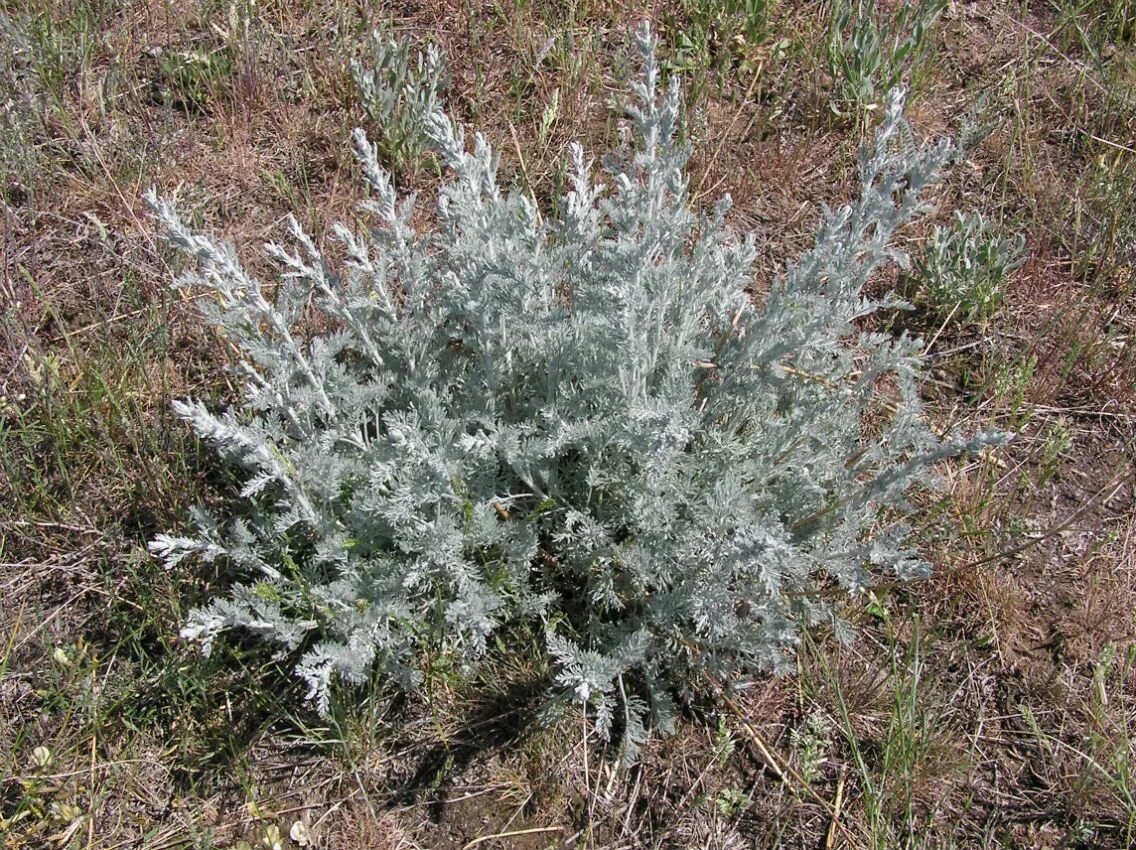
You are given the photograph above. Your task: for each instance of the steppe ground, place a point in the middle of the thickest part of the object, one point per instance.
(992, 706)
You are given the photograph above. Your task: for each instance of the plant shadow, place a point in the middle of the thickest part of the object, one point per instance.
(495, 725)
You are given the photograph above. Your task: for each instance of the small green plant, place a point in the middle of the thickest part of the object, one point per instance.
(1102, 751)
(1102, 233)
(1058, 439)
(715, 33)
(191, 79)
(961, 275)
(731, 801)
(1097, 27)
(895, 760)
(399, 96)
(724, 743)
(1007, 388)
(1111, 743)
(812, 740)
(750, 18)
(44, 51)
(549, 117)
(869, 55)
(19, 107)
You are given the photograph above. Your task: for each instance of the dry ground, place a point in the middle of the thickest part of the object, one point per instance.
(993, 706)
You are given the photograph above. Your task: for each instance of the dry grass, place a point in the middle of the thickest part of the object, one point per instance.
(993, 706)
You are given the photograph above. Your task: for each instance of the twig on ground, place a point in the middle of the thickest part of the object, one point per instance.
(838, 801)
(533, 831)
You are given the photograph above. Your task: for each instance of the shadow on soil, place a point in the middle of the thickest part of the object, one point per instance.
(496, 725)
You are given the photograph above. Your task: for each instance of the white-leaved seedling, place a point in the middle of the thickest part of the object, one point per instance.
(399, 97)
(580, 419)
(964, 268)
(869, 52)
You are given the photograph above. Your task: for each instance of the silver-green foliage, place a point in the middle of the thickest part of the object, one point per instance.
(580, 419)
(869, 54)
(962, 272)
(399, 97)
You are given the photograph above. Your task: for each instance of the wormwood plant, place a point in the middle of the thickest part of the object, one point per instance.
(580, 419)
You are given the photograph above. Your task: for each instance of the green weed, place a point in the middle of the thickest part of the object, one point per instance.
(870, 54)
(731, 801)
(1101, 778)
(716, 35)
(193, 78)
(962, 272)
(398, 96)
(812, 740)
(82, 422)
(894, 766)
(1101, 238)
(45, 53)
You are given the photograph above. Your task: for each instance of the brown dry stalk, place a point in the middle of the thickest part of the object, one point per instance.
(830, 836)
(525, 172)
(698, 193)
(1100, 497)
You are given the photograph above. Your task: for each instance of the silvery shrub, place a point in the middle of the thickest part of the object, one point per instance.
(582, 419)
